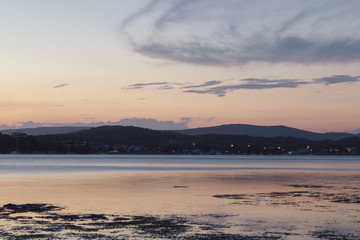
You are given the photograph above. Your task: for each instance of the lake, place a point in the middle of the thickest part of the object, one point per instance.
(42, 164)
(179, 197)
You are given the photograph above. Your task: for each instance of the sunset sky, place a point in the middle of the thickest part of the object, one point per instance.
(180, 63)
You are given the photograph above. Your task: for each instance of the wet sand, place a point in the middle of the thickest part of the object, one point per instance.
(181, 205)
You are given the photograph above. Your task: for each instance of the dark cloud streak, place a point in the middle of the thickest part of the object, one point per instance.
(218, 88)
(206, 84)
(61, 85)
(143, 85)
(337, 79)
(258, 84)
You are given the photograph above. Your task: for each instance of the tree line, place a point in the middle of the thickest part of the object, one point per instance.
(118, 139)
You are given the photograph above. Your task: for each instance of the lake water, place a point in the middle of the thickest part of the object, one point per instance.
(179, 197)
(45, 164)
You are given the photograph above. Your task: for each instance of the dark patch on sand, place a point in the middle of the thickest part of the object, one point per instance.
(231, 196)
(222, 236)
(149, 225)
(283, 194)
(29, 207)
(32, 236)
(352, 188)
(91, 236)
(334, 235)
(222, 215)
(161, 227)
(308, 186)
(105, 226)
(180, 186)
(291, 197)
(97, 226)
(76, 217)
(342, 198)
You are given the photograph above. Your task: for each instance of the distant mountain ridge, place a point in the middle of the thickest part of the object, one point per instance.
(124, 135)
(127, 139)
(229, 129)
(265, 131)
(44, 130)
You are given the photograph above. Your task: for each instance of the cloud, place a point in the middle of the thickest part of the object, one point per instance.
(30, 124)
(220, 89)
(206, 84)
(249, 84)
(196, 119)
(5, 127)
(236, 32)
(158, 85)
(153, 123)
(337, 79)
(356, 131)
(143, 85)
(168, 85)
(165, 87)
(210, 87)
(61, 85)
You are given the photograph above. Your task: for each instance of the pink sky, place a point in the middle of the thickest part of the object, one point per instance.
(193, 63)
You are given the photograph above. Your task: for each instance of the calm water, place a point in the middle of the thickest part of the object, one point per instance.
(216, 197)
(43, 164)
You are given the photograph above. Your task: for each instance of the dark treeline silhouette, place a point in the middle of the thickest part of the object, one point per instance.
(119, 139)
(21, 144)
(7, 143)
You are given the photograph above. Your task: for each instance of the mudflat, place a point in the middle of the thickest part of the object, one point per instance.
(181, 205)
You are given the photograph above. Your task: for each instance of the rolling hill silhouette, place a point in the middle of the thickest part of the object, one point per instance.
(230, 129)
(264, 131)
(122, 139)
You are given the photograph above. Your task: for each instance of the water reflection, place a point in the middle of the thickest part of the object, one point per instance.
(290, 205)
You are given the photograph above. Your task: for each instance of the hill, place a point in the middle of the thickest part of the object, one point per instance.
(230, 129)
(119, 135)
(264, 131)
(120, 139)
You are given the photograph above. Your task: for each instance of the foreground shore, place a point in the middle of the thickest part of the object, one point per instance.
(181, 205)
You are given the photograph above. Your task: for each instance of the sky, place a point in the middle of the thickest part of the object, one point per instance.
(181, 63)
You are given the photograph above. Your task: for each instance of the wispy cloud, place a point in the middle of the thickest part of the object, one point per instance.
(337, 79)
(155, 85)
(165, 87)
(152, 123)
(188, 119)
(206, 84)
(249, 84)
(236, 32)
(143, 85)
(61, 85)
(219, 88)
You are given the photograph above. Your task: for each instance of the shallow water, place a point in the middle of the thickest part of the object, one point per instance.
(42, 164)
(198, 197)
